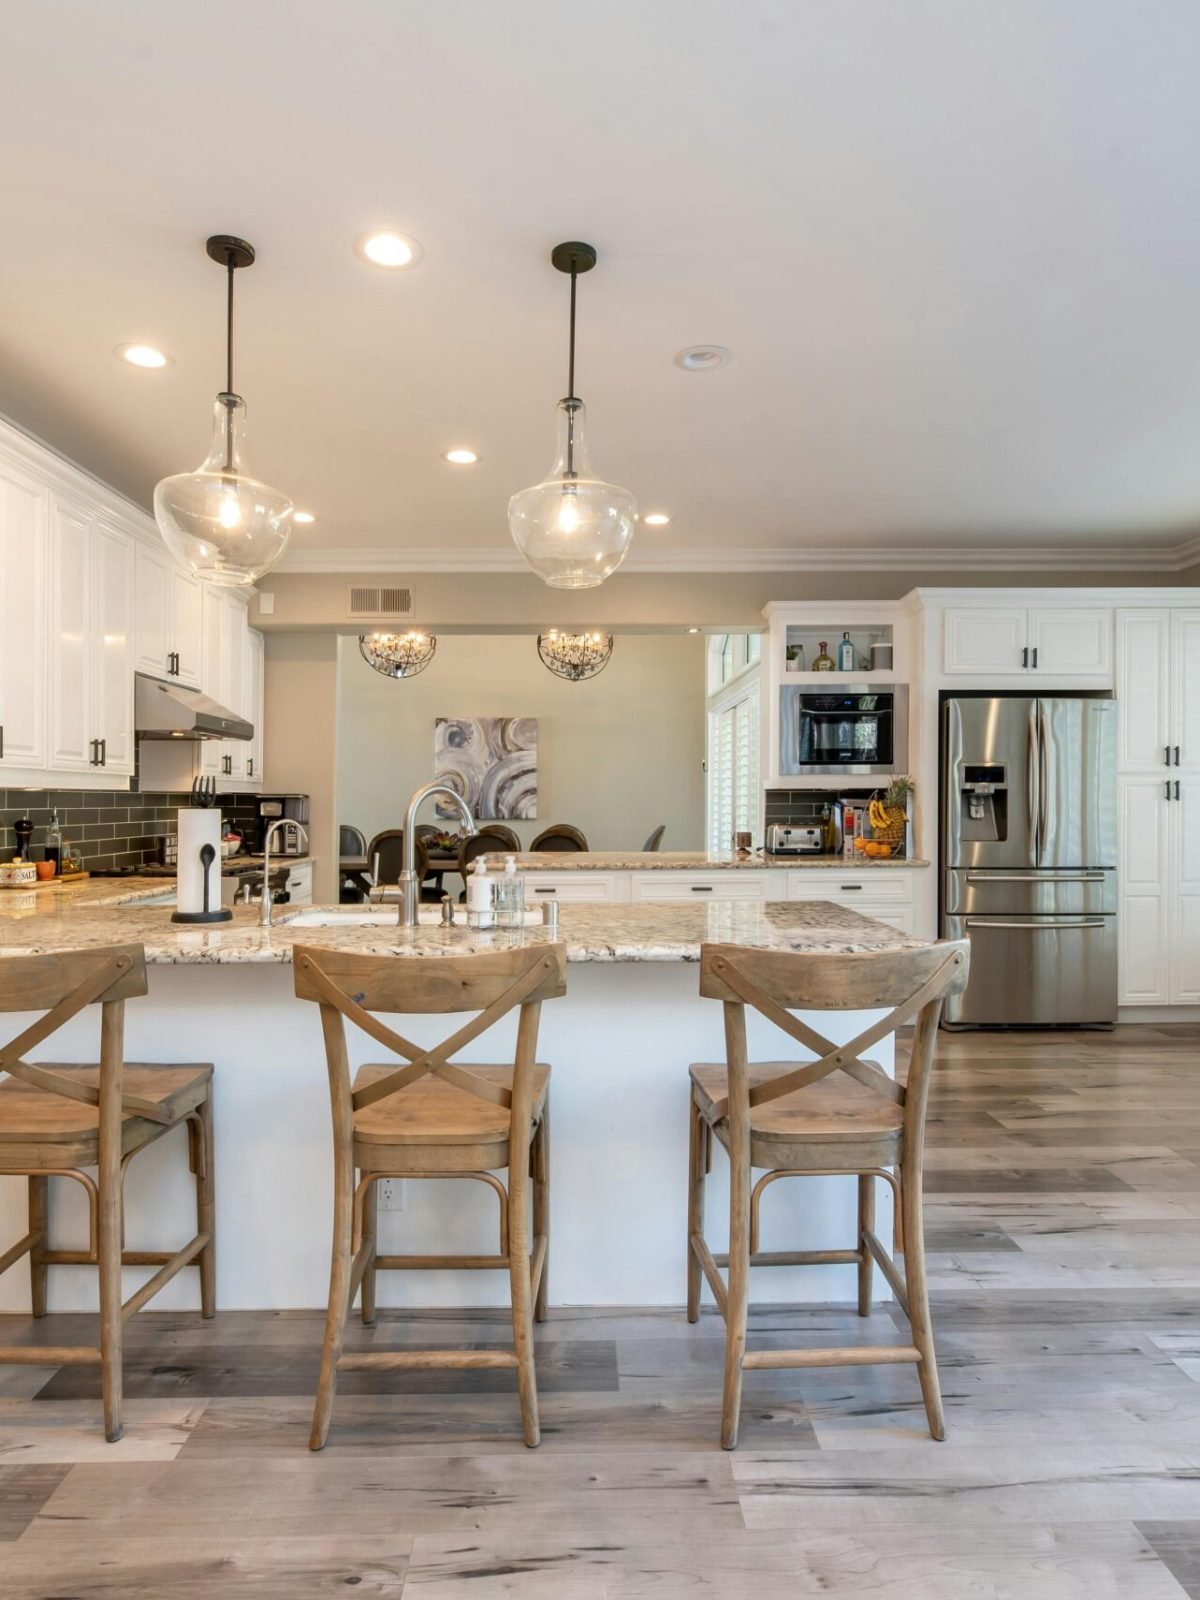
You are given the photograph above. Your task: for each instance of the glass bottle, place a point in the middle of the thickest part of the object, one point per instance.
(824, 662)
(845, 654)
(54, 841)
(510, 896)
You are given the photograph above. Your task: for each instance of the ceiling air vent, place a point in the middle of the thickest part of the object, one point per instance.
(371, 603)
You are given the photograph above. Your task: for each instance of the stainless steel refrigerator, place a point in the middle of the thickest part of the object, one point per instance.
(1028, 857)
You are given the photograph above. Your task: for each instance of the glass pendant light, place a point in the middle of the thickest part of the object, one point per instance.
(397, 655)
(219, 521)
(575, 656)
(573, 528)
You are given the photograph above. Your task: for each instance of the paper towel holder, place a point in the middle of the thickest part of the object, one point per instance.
(222, 914)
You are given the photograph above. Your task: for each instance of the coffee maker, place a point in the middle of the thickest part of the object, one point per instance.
(271, 808)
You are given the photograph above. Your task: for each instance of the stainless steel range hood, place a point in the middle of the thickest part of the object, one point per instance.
(172, 711)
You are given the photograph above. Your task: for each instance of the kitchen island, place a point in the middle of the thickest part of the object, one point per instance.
(620, 1043)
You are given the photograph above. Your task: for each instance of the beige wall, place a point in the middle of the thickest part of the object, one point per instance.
(497, 601)
(616, 755)
(301, 734)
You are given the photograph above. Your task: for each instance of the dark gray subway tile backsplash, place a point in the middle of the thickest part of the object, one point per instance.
(121, 829)
(796, 807)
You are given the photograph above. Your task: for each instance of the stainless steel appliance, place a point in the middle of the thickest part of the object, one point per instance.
(1028, 857)
(172, 711)
(784, 839)
(844, 731)
(270, 808)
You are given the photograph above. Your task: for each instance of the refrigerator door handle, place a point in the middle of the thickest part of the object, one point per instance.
(1045, 777)
(1037, 925)
(1047, 875)
(1032, 786)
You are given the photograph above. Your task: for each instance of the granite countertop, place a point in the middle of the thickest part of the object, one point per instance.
(605, 933)
(692, 861)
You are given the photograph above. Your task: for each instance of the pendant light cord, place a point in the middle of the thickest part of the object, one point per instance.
(571, 386)
(229, 328)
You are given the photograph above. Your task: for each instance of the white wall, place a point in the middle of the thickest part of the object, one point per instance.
(616, 755)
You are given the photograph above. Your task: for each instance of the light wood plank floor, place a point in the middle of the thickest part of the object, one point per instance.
(1065, 1227)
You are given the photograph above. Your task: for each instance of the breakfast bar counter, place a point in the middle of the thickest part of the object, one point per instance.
(619, 1043)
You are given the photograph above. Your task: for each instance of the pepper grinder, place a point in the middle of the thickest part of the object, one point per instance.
(24, 832)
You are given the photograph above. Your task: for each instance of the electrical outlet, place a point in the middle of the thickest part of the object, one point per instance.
(391, 1195)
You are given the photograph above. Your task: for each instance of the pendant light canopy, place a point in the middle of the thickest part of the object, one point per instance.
(397, 655)
(220, 520)
(575, 656)
(572, 528)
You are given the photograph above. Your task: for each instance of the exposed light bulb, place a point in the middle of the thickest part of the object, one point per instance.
(229, 513)
(568, 512)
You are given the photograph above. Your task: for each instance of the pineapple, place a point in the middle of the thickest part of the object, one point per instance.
(889, 814)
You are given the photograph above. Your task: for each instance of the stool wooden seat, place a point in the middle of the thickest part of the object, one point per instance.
(837, 1113)
(57, 1119)
(435, 1118)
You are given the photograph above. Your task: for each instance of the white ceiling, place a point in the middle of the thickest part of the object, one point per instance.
(955, 249)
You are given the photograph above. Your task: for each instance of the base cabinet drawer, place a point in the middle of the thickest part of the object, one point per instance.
(577, 888)
(300, 885)
(900, 917)
(878, 885)
(674, 887)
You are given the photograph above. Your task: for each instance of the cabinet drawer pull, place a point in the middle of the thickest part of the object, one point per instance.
(850, 888)
(701, 888)
(545, 891)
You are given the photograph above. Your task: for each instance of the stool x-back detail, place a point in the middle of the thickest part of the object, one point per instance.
(57, 1119)
(836, 1115)
(435, 1118)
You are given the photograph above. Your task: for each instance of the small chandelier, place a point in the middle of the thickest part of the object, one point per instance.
(219, 521)
(575, 655)
(397, 655)
(572, 528)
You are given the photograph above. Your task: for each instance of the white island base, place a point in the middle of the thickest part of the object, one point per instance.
(620, 1044)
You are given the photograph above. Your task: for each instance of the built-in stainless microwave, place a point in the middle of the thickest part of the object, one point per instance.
(851, 731)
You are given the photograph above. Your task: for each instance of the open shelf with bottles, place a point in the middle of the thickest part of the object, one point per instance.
(871, 645)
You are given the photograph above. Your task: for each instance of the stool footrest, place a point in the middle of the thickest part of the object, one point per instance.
(49, 1355)
(425, 1360)
(439, 1263)
(847, 1356)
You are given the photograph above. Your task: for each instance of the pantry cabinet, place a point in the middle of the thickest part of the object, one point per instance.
(1025, 641)
(24, 681)
(1158, 795)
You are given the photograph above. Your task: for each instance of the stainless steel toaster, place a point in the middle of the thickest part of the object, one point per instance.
(786, 839)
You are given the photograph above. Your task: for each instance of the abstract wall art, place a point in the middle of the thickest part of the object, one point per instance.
(492, 762)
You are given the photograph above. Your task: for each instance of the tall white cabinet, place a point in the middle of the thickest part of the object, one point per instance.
(1158, 686)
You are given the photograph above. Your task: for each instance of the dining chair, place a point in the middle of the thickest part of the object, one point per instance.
(385, 860)
(58, 1120)
(351, 841)
(435, 1118)
(838, 1114)
(559, 836)
(493, 839)
(654, 842)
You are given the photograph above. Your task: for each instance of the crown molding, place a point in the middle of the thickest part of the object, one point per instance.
(495, 558)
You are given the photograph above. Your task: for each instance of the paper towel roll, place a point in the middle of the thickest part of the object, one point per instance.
(197, 828)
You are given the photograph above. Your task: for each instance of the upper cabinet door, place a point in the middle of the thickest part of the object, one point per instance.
(1143, 686)
(187, 620)
(112, 585)
(23, 652)
(256, 680)
(152, 601)
(238, 647)
(214, 673)
(1185, 689)
(1071, 641)
(73, 739)
(986, 639)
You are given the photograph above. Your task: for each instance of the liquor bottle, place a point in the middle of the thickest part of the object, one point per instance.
(54, 842)
(824, 662)
(845, 654)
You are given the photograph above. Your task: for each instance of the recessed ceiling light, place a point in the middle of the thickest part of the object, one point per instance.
(693, 630)
(462, 458)
(656, 519)
(303, 516)
(142, 355)
(703, 357)
(387, 249)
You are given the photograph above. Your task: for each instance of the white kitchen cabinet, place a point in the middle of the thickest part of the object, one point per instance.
(300, 884)
(1185, 876)
(187, 623)
(577, 888)
(226, 666)
(987, 639)
(256, 684)
(111, 579)
(24, 654)
(671, 887)
(91, 644)
(1001, 640)
(1185, 690)
(168, 604)
(1143, 689)
(74, 740)
(1143, 889)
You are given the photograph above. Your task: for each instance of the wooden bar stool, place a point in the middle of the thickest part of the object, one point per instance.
(435, 1118)
(57, 1119)
(837, 1115)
